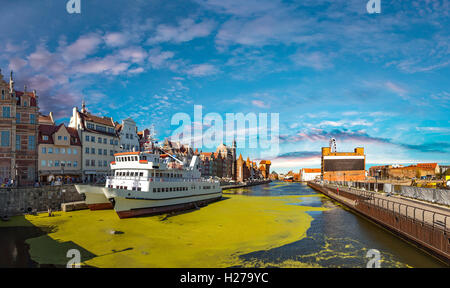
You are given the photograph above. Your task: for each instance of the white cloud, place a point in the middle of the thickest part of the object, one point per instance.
(202, 70)
(186, 30)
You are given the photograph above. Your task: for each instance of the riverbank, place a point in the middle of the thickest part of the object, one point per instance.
(424, 226)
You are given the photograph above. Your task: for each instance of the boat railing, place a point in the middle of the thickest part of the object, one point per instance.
(159, 179)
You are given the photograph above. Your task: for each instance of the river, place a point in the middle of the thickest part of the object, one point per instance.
(273, 225)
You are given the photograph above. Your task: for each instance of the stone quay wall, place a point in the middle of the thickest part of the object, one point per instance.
(18, 201)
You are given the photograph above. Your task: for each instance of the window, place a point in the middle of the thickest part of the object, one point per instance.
(65, 138)
(99, 151)
(111, 141)
(87, 150)
(32, 119)
(92, 139)
(59, 137)
(99, 163)
(100, 128)
(18, 142)
(25, 103)
(111, 153)
(50, 163)
(50, 150)
(56, 150)
(5, 139)
(131, 136)
(87, 138)
(75, 151)
(6, 111)
(17, 117)
(116, 142)
(127, 136)
(93, 163)
(45, 137)
(63, 151)
(75, 163)
(90, 126)
(44, 150)
(56, 163)
(3, 94)
(105, 152)
(43, 163)
(105, 163)
(99, 139)
(105, 141)
(69, 163)
(92, 150)
(69, 151)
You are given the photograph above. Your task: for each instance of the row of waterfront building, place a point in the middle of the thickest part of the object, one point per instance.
(34, 148)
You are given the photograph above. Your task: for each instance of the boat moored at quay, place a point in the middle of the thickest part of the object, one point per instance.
(149, 182)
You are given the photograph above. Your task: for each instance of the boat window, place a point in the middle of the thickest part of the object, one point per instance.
(128, 173)
(141, 174)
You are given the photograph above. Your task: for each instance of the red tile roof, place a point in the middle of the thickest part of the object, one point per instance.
(312, 170)
(427, 165)
(49, 130)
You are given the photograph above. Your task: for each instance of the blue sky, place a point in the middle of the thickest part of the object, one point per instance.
(328, 68)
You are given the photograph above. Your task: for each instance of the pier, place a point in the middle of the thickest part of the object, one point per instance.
(426, 226)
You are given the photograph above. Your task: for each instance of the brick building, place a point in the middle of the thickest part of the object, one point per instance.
(18, 130)
(343, 166)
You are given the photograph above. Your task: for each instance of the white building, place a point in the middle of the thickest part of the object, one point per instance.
(127, 131)
(99, 140)
(309, 174)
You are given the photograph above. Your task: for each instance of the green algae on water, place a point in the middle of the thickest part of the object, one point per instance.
(213, 236)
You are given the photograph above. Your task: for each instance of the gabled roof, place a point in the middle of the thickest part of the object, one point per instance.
(49, 130)
(107, 121)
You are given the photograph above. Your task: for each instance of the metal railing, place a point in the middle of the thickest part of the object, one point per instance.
(435, 220)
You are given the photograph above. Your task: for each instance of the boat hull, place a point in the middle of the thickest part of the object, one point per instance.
(127, 206)
(95, 197)
(165, 209)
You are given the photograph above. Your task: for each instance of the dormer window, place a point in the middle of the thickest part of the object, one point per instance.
(25, 103)
(45, 137)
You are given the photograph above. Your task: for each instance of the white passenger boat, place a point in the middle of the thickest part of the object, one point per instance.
(145, 183)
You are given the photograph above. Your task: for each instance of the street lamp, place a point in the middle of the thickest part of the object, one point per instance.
(62, 169)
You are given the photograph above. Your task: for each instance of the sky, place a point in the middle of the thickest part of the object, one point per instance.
(328, 68)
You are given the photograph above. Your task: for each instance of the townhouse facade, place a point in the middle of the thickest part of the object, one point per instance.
(59, 153)
(128, 135)
(18, 131)
(99, 141)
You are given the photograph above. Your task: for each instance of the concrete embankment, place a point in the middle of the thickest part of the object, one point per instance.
(18, 201)
(426, 227)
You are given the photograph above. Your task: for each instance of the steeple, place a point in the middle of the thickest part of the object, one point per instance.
(11, 83)
(83, 106)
